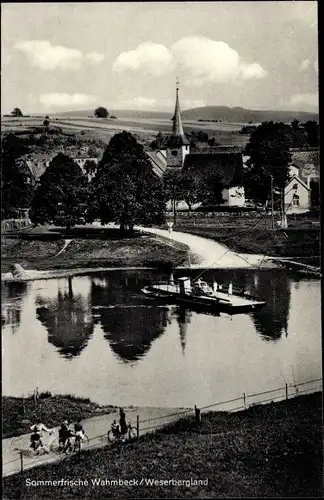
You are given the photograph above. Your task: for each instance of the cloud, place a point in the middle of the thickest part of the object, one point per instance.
(148, 57)
(95, 57)
(207, 60)
(49, 57)
(308, 99)
(61, 100)
(202, 60)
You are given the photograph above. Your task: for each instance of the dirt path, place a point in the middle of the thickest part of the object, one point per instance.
(96, 428)
(212, 254)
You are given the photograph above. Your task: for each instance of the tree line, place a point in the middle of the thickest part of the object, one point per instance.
(123, 188)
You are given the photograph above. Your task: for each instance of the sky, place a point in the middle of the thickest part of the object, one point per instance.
(66, 56)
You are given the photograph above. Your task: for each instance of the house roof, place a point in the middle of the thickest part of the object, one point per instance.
(158, 161)
(229, 166)
(294, 178)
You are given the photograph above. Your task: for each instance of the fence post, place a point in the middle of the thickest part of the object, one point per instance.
(21, 462)
(244, 400)
(197, 415)
(137, 426)
(79, 450)
(286, 390)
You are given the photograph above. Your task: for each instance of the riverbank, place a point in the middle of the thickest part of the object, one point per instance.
(301, 244)
(140, 251)
(19, 413)
(268, 450)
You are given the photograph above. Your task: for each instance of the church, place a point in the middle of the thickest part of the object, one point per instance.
(176, 155)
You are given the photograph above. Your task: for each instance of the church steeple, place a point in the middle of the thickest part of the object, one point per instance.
(178, 137)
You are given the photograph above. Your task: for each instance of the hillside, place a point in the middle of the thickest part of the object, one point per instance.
(224, 113)
(120, 113)
(241, 115)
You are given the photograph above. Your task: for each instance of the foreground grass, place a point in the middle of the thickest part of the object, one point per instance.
(273, 450)
(19, 414)
(141, 251)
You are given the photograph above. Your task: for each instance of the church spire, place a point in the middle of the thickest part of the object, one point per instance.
(178, 137)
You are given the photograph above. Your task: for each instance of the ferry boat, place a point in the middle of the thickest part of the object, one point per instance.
(199, 293)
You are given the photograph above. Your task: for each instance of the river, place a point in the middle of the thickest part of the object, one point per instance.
(98, 336)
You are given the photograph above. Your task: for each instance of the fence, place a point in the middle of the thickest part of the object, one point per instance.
(14, 224)
(242, 402)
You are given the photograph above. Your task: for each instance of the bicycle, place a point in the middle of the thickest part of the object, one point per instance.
(117, 437)
(73, 444)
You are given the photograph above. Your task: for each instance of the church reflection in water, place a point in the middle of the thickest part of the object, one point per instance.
(129, 321)
(67, 319)
(12, 294)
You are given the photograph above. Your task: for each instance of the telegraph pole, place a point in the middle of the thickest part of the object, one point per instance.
(272, 202)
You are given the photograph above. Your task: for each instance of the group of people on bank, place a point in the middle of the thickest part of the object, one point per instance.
(66, 432)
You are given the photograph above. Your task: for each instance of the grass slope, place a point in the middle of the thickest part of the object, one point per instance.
(141, 251)
(273, 450)
(19, 414)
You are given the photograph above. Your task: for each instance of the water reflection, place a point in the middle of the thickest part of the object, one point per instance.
(183, 317)
(130, 322)
(272, 286)
(13, 294)
(67, 319)
(271, 321)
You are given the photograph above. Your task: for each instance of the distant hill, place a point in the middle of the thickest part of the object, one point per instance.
(232, 115)
(120, 113)
(241, 115)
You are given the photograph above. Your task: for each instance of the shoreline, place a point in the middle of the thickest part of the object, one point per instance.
(250, 453)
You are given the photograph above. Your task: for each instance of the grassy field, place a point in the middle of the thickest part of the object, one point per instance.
(267, 451)
(254, 235)
(144, 130)
(92, 249)
(18, 414)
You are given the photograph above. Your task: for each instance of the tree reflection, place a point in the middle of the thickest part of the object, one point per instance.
(68, 321)
(12, 294)
(130, 321)
(271, 321)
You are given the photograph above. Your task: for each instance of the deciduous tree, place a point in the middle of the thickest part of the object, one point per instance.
(101, 112)
(268, 149)
(62, 194)
(125, 189)
(17, 112)
(16, 186)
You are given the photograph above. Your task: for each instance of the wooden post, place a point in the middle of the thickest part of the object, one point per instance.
(79, 450)
(21, 462)
(197, 415)
(244, 400)
(272, 203)
(137, 426)
(286, 391)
